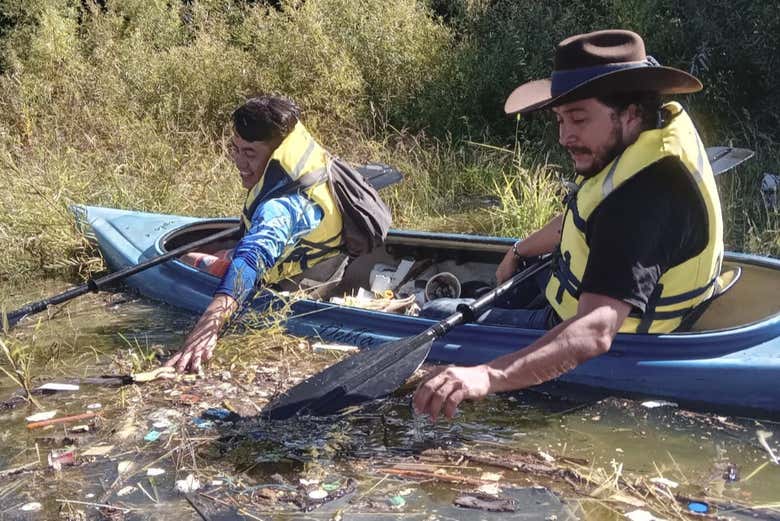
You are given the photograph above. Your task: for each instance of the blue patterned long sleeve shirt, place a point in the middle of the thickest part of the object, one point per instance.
(276, 224)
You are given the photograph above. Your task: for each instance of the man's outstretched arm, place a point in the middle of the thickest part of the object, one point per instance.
(570, 343)
(276, 224)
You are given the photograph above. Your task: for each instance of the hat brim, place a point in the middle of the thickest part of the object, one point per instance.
(537, 95)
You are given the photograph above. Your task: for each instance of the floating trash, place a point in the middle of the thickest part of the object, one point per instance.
(41, 416)
(163, 372)
(216, 413)
(320, 347)
(33, 506)
(53, 386)
(58, 459)
(152, 436)
(668, 483)
(491, 489)
(202, 424)
(126, 491)
(188, 484)
(330, 487)
(652, 404)
(318, 494)
(762, 437)
(155, 472)
(124, 466)
(80, 428)
(93, 406)
(697, 507)
(642, 515)
(731, 474)
(308, 482)
(396, 501)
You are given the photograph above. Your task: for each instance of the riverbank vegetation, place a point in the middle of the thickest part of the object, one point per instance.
(127, 104)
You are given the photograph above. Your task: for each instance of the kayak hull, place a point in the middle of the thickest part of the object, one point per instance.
(736, 368)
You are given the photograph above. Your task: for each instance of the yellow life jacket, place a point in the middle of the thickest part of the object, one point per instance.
(298, 158)
(681, 287)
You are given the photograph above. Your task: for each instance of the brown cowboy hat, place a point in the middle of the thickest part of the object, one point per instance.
(598, 63)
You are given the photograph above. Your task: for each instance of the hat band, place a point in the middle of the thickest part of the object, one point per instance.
(566, 80)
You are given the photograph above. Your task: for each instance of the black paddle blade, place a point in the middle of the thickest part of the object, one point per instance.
(379, 175)
(367, 375)
(726, 158)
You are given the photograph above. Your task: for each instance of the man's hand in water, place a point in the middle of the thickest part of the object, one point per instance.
(444, 390)
(200, 343)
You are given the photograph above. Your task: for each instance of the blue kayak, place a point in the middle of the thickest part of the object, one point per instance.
(730, 360)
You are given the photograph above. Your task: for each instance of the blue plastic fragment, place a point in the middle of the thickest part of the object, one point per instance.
(217, 413)
(698, 507)
(152, 436)
(202, 424)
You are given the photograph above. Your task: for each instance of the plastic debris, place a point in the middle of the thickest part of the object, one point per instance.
(642, 515)
(58, 459)
(188, 484)
(217, 413)
(652, 404)
(54, 386)
(762, 437)
(731, 474)
(491, 489)
(155, 472)
(166, 373)
(545, 456)
(202, 424)
(124, 466)
(668, 483)
(321, 347)
(396, 501)
(101, 450)
(697, 507)
(64, 419)
(308, 482)
(330, 487)
(318, 494)
(126, 491)
(33, 506)
(41, 416)
(93, 406)
(152, 436)
(80, 428)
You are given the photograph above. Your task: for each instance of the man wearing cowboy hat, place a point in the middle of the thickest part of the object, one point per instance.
(639, 244)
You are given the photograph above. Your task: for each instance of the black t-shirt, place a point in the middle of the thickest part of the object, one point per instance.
(652, 222)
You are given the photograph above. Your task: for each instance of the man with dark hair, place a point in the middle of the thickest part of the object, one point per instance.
(291, 224)
(640, 243)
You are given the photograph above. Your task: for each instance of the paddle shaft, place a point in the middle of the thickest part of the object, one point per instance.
(470, 312)
(373, 373)
(94, 285)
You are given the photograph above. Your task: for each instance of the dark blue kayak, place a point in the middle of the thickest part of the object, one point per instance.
(730, 359)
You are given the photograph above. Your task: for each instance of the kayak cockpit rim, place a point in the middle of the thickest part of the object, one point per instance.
(751, 302)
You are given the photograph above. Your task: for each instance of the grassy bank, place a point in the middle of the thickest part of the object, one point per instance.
(128, 105)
